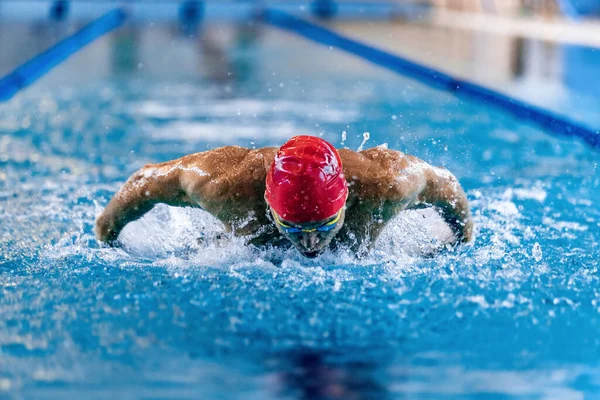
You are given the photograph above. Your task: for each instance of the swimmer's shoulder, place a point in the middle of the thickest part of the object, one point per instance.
(228, 173)
(380, 172)
(378, 161)
(252, 167)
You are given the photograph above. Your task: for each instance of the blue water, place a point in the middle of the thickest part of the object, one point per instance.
(515, 315)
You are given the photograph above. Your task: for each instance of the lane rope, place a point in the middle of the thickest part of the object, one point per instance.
(546, 119)
(44, 62)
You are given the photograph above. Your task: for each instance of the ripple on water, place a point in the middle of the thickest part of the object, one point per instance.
(176, 310)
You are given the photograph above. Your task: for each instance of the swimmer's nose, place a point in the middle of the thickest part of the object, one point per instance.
(309, 241)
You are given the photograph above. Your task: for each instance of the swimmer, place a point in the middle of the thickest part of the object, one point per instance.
(305, 193)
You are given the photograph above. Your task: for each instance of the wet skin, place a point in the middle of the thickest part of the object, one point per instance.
(229, 183)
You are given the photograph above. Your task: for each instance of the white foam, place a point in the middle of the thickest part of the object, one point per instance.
(564, 225)
(506, 208)
(184, 234)
(555, 384)
(533, 194)
(536, 252)
(167, 236)
(479, 300)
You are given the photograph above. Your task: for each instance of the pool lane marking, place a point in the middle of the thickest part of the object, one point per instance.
(434, 78)
(41, 64)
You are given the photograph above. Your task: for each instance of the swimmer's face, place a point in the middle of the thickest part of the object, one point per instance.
(311, 239)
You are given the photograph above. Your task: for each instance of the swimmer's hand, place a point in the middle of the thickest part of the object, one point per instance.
(468, 231)
(461, 225)
(443, 191)
(106, 232)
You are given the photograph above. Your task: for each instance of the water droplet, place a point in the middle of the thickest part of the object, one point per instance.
(366, 136)
(536, 252)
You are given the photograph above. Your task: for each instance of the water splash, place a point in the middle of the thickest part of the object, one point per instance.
(536, 252)
(366, 137)
(180, 298)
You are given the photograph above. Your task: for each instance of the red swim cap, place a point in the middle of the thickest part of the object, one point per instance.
(306, 182)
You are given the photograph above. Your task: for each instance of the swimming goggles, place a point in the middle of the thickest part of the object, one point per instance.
(323, 228)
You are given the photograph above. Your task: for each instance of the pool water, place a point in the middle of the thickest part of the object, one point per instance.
(514, 315)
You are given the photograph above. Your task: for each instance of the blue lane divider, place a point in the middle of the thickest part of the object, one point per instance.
(548, 120)
(42, 63)
(170, 10)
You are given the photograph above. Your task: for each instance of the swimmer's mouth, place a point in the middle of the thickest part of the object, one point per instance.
(311, 254)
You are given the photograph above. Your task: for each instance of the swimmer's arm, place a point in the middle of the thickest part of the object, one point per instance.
(147, 187)
(443, 190)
